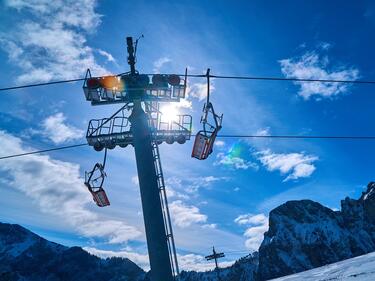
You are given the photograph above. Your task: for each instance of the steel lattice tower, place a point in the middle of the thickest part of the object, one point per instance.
(143, 129)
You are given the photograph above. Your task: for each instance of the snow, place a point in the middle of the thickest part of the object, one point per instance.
(370, 191)
(361, 268)
(369, 194)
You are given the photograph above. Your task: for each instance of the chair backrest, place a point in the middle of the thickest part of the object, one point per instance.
(200, 146)
(100, 198)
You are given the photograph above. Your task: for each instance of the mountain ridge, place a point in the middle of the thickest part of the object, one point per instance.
(22, 253)
(302, 235)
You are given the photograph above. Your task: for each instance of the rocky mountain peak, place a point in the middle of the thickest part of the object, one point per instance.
(304, 234)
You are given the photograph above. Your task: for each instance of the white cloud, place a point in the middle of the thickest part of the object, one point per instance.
(263, 132)
(186, 262)
(107, 55)
(210, 226)
(135, 180)
(159, 63)
(219, 143)
(172, 193)
(174, 182)
(51, 42)
(173, 186)
(234, 162)
(209, 179)
(184, 103)
(324, 45)
(313, 65)
(297, 165)
(198, 263)
(172, 110)
(183, 188)
(254, 234)
(199, 90)
(184, 215)
(116, 232)
(55, 129)
(140, 259)
(195, 183)
(57, 189)
(250, 219)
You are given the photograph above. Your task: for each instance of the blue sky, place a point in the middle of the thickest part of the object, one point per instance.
(225, 200)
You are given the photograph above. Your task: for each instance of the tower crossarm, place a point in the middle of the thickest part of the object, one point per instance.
(127, 87)
(116, 131)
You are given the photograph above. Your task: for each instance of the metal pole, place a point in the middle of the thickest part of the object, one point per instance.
(131, 58)
(150, 197)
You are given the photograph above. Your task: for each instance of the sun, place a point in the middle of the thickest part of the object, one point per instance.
(169, 113)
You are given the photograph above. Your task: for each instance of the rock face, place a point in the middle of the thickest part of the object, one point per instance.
(304, 235)
(26, 256)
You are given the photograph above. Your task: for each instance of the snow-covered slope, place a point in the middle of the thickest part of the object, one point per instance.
(361, 268)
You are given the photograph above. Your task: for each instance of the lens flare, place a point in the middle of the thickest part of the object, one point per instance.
(112, 83)
(236, 150)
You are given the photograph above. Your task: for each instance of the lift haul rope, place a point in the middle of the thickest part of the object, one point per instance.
(357, 138)
(208, 75)
(212, 76)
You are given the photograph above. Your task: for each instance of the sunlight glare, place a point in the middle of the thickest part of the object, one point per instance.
(169, 113)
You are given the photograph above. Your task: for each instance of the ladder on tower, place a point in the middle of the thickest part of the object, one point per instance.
(166, 214)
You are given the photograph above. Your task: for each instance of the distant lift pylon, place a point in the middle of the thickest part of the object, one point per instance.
(205, 139)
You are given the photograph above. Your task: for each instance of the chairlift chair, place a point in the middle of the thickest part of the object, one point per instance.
(94, 181)
(205, 139)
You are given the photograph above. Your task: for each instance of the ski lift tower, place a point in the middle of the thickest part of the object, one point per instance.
(139, 123)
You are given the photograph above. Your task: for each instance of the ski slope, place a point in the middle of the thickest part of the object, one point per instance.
(361, 268)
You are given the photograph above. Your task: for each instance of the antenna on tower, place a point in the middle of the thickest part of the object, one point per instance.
(136, 46)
